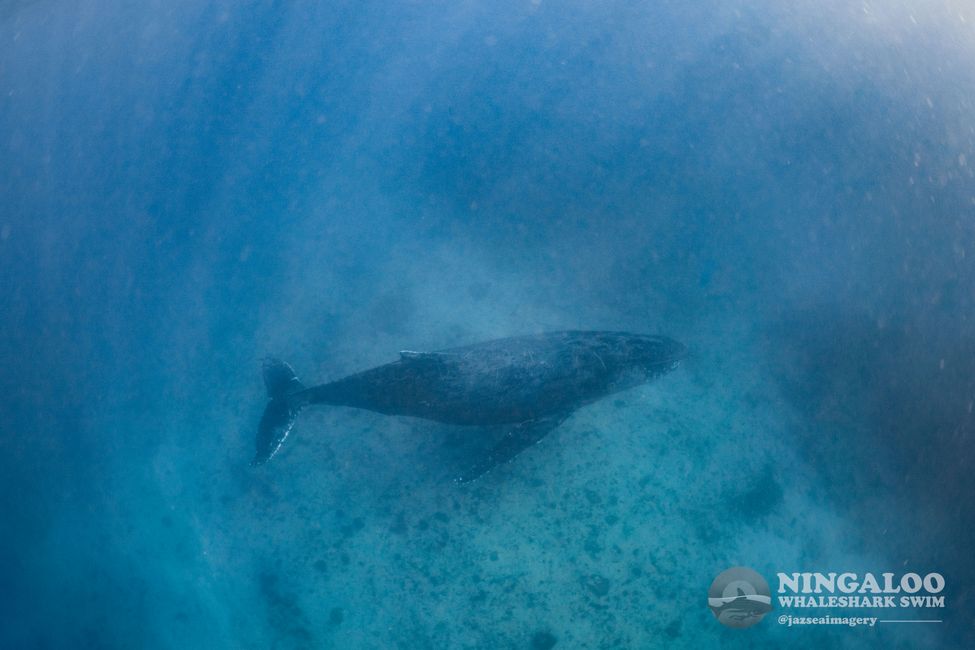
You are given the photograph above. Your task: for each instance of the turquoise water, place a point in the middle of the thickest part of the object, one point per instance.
(187, 187)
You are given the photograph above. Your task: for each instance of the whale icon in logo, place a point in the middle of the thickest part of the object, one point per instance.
(739, 597)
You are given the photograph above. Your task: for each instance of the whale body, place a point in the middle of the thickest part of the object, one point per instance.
(528, 385)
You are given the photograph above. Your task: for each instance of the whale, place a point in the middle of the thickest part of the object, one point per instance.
(525, 386)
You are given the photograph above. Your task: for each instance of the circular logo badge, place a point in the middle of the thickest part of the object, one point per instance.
(739, 597)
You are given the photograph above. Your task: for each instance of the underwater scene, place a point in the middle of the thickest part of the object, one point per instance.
(523, 324)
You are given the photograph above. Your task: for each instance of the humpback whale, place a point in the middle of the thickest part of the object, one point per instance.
(526, 385)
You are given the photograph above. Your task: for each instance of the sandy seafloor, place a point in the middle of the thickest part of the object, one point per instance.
(191, 186)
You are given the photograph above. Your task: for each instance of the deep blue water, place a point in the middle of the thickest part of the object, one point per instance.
(185, 187)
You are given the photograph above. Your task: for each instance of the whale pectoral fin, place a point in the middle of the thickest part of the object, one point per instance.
(516, 439)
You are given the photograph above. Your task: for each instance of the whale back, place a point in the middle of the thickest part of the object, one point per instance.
(506, 380)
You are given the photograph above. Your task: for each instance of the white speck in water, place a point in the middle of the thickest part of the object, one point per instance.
(962, 160)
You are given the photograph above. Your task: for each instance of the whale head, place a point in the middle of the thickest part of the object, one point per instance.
(654, 355)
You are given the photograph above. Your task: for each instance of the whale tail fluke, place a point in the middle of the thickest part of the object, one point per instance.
(279, 416)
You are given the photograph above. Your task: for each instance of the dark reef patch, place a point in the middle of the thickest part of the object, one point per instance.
(284, 614)
(757, 498)
(543, 641)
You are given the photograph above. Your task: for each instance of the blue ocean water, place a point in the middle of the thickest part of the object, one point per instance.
(186, 187)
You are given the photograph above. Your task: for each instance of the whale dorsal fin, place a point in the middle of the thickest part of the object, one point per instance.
(412, 355)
